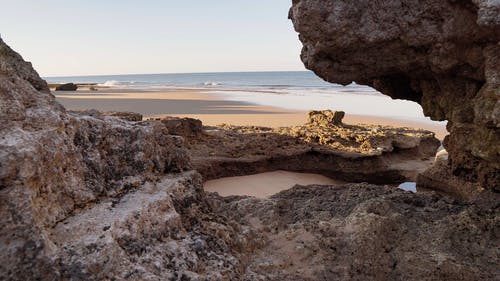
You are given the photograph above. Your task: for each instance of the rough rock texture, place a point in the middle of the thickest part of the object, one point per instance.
(129, 116)
(67, 87)
(443, 54)
(84, 196)
(326, 118)
(186, 127)
(357, 153)
(366, 232)
(54, 164)
(124, 115)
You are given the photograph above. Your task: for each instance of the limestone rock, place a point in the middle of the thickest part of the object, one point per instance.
(326, 118)
(85, 196)
(124, 115)
(128, 116)
(444, 55)
(54, 163)
(366, 232)
(67, 87)
(356, 153)
(186, 127)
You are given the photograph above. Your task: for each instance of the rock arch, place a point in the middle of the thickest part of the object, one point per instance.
(445, 55)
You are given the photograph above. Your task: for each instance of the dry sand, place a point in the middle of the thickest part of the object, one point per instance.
(212, 109)
(265, 184)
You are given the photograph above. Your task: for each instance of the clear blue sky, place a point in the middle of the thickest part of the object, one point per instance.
(80, 37)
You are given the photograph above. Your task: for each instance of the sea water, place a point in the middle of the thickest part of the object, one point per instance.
(296, 90)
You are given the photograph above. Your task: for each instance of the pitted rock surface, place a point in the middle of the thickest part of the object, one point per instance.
(444, 55)
(85, 196)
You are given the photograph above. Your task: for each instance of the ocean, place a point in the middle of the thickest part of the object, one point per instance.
(298, 90)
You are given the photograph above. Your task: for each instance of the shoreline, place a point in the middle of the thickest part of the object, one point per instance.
(211, 108)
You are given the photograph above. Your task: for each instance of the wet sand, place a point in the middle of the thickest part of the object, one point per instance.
(265, 184)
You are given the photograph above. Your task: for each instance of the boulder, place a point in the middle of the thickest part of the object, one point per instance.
(67, 87)
(185, 127)
(326, 118)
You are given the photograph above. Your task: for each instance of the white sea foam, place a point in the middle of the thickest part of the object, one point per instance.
(110, 83)
(116, 83)
(211, 83)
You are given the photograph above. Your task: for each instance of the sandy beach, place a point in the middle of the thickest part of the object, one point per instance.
(214, 109)
(211, 108)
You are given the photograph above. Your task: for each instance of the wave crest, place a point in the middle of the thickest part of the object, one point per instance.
(116, 83)
(110, 83)
(212, 83)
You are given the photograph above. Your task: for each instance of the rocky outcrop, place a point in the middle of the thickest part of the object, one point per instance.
(124, 115)
(67, 87)
(54, 164)
(185, 127)
(366, 232)
(354, 153)
(129, 116)
(444, 55)
(85, 196)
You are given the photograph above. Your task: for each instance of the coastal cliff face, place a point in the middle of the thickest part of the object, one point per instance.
(444, 55)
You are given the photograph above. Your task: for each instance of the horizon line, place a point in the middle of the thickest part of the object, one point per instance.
(162, 73)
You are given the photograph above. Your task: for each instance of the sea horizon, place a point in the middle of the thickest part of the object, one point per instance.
(290, 90)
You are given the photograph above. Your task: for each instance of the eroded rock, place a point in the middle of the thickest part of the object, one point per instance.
(54, 163)
(186, 127)
(129, 116)
(326, 118)
(85, 196)
(366, 232)
(67, 87)
(444, 55)
(356, 153)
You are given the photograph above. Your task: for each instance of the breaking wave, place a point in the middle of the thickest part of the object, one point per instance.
(211, 83)
(116, 83)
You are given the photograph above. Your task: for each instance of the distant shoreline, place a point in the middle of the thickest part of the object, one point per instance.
(212, 109)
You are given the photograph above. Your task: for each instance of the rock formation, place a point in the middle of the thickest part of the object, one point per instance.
(85, 196)
(124, 115)
(61, 169)
(366, 232)
(326, 118)
(354, 153)
(445, 55)
(67, 87)
(185, 127)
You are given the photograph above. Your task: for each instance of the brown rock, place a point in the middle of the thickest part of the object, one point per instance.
(444, 55)
(84, 196)
(368, 153)
(326, 118)
(53, 164)
(67, 87)
(367, 232)
(186, 127)
(125, 115)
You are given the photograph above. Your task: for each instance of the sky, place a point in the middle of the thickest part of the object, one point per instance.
(99, 37)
